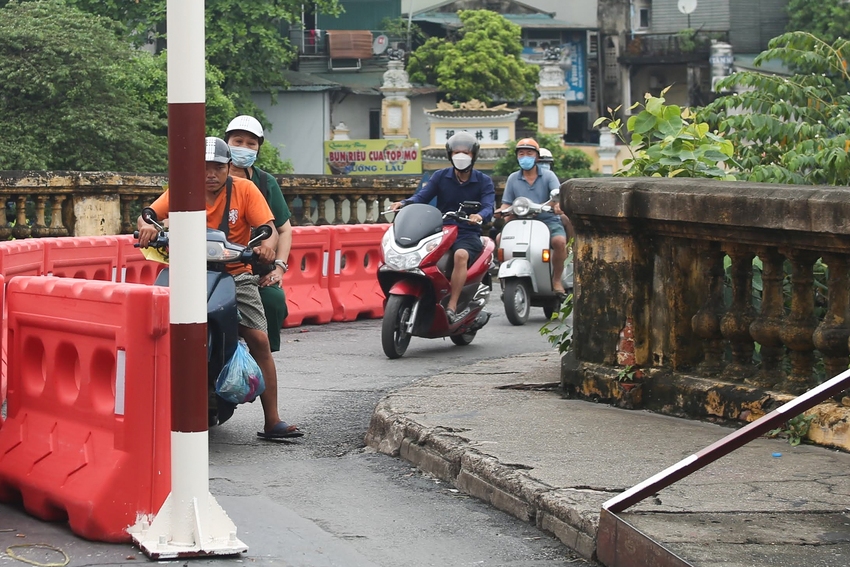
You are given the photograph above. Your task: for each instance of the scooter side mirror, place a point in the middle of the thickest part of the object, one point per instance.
(149, 215)
(555, 194)
(259, 233)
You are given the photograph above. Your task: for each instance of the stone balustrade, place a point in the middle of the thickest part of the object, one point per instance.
(671, 262)
(71, 203)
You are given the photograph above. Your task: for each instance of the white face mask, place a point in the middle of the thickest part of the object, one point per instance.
(461, 161)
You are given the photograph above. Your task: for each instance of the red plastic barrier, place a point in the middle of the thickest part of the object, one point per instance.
(17, 258)
(306, 282)
(22, 257)
(83, 257)
(87, 436)
(353, 282)
(3, 345)
(132, 265)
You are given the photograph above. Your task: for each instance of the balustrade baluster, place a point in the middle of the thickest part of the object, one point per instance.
(337, 199)
(322, 202)
(22, 228)
(5, 227)
(765, 329)
(307, 210)
(39, 227)
(57, 220)
(384, 205)
(369, 200)
(706, 322)
(831, 336)
(800, 324)
(353, 203)
(735, 324)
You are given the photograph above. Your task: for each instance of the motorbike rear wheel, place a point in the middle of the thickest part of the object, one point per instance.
(517, 301)
(394, 336)
(464, 339)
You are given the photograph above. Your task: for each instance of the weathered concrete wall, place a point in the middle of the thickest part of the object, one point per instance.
(97, 215)
(651, 259)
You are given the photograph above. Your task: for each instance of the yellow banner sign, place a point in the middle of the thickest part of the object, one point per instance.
(373, 157)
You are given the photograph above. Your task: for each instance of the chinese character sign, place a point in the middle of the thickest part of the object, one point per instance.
(373, 157)
(575, 75)
(485, 135)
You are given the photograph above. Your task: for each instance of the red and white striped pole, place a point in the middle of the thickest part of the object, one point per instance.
(190, 522)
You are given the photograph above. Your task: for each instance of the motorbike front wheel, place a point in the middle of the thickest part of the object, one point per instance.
(394, 335)
(464, 339)
(517, 301)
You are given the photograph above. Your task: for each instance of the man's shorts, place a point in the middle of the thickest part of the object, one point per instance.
(556, 227)
(470, 242)
(248, 302)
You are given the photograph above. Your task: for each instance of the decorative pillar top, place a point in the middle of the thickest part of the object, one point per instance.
(341, 132)
(396, 80)
(552, 80)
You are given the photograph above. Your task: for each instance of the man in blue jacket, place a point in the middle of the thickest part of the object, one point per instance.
(452, 186)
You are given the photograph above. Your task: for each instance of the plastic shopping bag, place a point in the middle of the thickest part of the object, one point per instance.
(240, 380)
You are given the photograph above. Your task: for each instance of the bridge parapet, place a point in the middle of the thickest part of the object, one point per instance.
(73, 203)
(734, 293)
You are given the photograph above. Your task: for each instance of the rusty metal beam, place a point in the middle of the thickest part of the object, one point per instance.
(620, 544)
(617, 540)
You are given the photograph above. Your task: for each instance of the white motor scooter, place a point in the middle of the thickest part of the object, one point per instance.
(525, 270)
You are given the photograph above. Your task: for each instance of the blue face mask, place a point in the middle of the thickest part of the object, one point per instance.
(527, 162)
(243, 157)
(544, 166)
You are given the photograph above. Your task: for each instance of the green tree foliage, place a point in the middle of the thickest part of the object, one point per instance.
(790, 129)
(66, 104)
(482, 63)
(243, 39)
(568, 162)
(398, 28)
(827, 19)
(148, 82)
(572, 163)
(668, 141)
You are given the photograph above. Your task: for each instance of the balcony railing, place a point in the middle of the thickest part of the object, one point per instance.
(686, 45)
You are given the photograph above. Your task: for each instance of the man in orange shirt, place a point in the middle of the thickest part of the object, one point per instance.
(247, 208)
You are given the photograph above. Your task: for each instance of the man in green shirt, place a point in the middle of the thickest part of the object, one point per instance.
(244, 135)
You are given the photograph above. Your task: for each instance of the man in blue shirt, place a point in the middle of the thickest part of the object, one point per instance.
(536, 183)
(452, 186)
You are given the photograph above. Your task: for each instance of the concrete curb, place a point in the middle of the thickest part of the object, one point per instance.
(571, 515)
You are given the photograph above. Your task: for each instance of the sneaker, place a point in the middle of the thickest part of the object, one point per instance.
(451, 315)
(455, 317)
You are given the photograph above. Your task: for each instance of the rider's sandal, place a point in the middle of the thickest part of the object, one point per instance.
(281, 431)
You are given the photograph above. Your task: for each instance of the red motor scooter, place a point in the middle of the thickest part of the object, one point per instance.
(416, 282)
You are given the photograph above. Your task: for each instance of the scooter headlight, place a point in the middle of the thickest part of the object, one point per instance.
(521, 206)
(406, 261)
(216, 252)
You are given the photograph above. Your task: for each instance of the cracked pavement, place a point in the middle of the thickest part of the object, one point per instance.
(494, 423)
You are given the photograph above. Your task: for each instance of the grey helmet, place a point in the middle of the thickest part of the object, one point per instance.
(217, 150)
(463, 141)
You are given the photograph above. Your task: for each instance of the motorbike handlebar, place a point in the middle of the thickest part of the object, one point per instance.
(460, 215)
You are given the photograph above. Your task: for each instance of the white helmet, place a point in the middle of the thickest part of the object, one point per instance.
(246, 123)
(545, 156)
